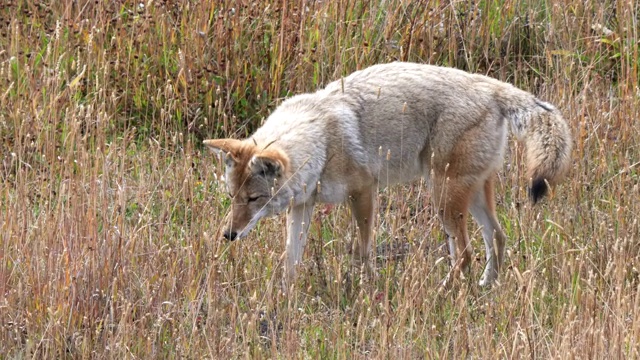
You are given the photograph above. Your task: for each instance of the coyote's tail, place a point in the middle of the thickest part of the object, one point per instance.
(546, 135)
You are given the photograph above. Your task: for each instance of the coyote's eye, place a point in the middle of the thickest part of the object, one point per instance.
(253, 198)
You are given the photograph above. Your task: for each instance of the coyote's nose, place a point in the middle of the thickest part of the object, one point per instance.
(230, 235)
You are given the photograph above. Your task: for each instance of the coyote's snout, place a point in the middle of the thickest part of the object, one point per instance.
(427, 121)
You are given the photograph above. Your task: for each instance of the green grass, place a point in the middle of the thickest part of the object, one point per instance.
(110, 208)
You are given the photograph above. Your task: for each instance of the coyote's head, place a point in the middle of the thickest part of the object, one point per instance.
(253, 177)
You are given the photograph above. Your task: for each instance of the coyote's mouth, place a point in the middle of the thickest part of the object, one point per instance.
(232, 235)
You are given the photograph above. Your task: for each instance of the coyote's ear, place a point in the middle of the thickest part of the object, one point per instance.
(227, 149)
(266, 166)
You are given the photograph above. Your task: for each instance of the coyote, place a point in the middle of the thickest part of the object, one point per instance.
(389, 124)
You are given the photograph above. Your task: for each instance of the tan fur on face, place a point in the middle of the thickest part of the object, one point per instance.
(241, 153)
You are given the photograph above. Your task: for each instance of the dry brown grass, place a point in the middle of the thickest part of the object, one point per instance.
(110, 208)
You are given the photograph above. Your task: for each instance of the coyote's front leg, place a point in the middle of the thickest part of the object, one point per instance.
(298, 219)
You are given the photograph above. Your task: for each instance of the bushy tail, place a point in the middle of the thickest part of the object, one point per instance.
(546, 135)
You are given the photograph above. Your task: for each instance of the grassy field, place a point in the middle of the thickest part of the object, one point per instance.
(110, 208)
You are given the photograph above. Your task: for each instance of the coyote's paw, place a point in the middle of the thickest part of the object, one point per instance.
(489, 276)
